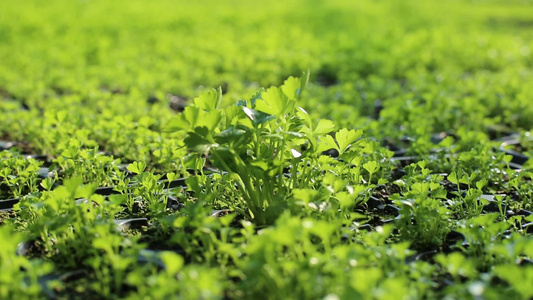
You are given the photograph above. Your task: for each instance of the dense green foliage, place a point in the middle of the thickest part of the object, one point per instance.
(284, 150)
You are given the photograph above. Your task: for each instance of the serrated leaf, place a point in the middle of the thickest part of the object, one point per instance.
(194, 117)
(137, 167)
(347, 137)
(210, 119)
(273, 102)
(291, 87)
(210, 100)
(371, 166)
(256, 97)
(231, 113)
(190, 114)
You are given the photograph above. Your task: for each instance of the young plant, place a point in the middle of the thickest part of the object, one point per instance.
(18, 175)
(256, 141)
(91, 166)
(20, 276)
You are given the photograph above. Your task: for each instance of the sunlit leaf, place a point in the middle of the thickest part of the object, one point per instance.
(210, 100)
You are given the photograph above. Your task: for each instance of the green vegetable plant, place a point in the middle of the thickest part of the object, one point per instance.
(144, 192)
(258, 140)
(424, 218)
(522, 184)
(84, 229)
(91, 166)
(480, 232)
(469, 204)
(20, 276)
(18, 175)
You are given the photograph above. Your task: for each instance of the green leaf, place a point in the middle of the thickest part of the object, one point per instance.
(261, 164)
(210, 100)
(453, 178)
(256, 96)
(227, 219)
(210, 119)
(47, 183)
(73, 183)
(171, 176)
(327, 143)
(345, 138)
(302, 114)
(191, 113)
(481, 184)
(324, 127)
(304, 195)
(86, 190)
(231, 135)
(61, 116)
(118, 199)
(194, 117)
(371, 166)
(257, 117)
(464, 179)
(137, 167)
(345, 199)
(291, 87)
(322, 229)
(507, 158)
(173, 262)
(199, 140)
(274, 102)
(230, 114)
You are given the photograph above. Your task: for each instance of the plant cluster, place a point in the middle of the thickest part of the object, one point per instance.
(398, 167)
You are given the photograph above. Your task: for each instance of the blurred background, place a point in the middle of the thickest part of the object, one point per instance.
(390, 62)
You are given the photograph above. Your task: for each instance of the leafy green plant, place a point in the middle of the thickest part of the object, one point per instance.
(92, 166)
(255, 141)
(20, 276)
(19, 175)
(424, 219)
